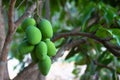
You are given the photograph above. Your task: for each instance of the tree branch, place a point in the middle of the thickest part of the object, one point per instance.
(10, 31)
(27, 13)
(104, 66)
(47, 9)
(10, 16)
(68, 46)
(114, 51)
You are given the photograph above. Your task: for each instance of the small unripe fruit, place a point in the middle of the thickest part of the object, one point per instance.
(41, 50)
(45, 28)
(28, 22)
(33, 35)
(50, 48)
(25, 47)
(44, 65)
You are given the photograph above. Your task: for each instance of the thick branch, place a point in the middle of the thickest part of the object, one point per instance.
(10, 16)
(114, 51)
(10, 31)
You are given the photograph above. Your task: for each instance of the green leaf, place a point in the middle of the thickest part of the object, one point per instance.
(86, 76)
(114, 75)
(109, 16)
(102, 32)
(72, 58)
(109, 13)
(76, 71)
(105, 58)
(105, 74)
(86, 14)
(94, 28)
(81, 59)
(115, 34)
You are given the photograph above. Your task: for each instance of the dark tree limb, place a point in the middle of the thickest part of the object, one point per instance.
(10, 31)
(110, 47)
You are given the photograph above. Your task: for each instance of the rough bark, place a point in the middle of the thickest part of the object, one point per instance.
(2, 28)
(2, 40)
(6, 74)
(31, 72)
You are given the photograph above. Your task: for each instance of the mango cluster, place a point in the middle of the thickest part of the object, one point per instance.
(37, 42)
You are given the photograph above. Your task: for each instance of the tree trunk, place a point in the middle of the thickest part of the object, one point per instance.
(2, 40)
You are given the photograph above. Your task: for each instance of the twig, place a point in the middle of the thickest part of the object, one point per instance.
(20, 4)
(47, 9)
(28, 12)
(39, 8)
(104, 66)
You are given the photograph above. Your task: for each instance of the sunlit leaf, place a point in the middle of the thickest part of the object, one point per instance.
(116, 34)
(102, 32)
(86, 14)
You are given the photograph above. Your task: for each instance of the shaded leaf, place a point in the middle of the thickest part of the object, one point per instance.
(86, 14)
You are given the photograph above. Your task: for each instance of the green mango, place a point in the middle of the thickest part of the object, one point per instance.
(41, 50)
(28, 22)
(25, 47)
(33, 35)
(44, 65)
(50, 48)
(45, 28)
(34, 56)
